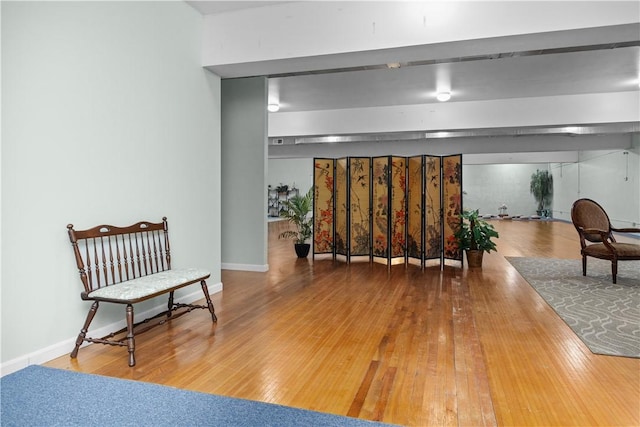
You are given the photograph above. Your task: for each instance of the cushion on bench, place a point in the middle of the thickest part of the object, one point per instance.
(145, 286)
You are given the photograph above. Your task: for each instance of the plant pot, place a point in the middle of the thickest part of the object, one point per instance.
(474, 258)
(302, 249)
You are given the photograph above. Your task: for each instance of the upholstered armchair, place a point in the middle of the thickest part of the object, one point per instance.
(596, 236)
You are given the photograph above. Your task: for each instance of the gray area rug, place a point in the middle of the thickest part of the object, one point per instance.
(605, 316)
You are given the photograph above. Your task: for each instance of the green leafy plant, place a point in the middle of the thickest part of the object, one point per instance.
(475, 233)
(542, 189)
(296, 210)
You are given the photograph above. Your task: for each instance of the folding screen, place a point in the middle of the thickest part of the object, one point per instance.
(452, 197)
(415, 208)
(380, 200)
(342, 204)
(397, 184)
(391, 209)
(323, 214)
(360, 206)
(433, 208)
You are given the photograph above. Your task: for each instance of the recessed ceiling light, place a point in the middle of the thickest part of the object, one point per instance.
(273, 107)
(443, 96)
(332, 138)
(570, 129)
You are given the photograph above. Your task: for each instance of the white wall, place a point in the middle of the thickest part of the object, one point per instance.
(108, 117)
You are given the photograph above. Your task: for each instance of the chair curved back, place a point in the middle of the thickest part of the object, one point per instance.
(586, 213)
(593, 225)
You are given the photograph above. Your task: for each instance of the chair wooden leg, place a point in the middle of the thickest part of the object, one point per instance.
(584, 265)
(131, 345)
(614, 270)
(212, 310)
(85, 328)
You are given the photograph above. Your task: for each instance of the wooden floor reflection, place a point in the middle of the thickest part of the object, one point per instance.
(399, 345)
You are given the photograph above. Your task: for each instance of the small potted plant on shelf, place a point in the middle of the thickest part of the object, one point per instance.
(282, 189)
(475, 237)
(296, 210)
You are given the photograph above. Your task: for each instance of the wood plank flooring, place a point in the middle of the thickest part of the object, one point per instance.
(404, 346)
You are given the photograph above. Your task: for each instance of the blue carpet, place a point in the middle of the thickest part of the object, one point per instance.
(40, 396)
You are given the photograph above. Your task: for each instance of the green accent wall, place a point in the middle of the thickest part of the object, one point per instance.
(244, 167)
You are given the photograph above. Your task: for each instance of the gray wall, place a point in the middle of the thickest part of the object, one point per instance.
(108, 117)
(244, 168)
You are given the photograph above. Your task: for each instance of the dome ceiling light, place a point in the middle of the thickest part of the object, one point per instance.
(443, 96)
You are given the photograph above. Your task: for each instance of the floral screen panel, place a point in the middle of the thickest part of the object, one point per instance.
(323, 206)
(388, 207)
(433, 205)
(360, 201)
(342, 202)
(452, 199)
(380, 195)
(398, 205)
(415, 206)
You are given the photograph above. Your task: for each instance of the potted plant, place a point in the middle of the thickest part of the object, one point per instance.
(542, 189)
(282, 188)
(296, 210)
(474, 237)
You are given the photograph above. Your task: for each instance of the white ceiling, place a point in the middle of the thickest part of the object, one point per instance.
(596, 71)
(574, 62)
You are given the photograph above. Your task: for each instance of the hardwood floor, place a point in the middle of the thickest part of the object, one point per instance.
(400, 345)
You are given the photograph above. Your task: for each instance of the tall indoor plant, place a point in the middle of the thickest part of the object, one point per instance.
(475, 237)
(296, 210)
(542, 190)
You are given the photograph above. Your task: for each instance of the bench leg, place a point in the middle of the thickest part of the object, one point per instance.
(85, 328)
(170, 304)
(131, 345)
(212, 310)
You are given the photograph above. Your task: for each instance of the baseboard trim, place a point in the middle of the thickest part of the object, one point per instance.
(245, 267)
(64, 347)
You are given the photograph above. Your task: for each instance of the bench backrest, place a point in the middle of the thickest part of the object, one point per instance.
(106, 255)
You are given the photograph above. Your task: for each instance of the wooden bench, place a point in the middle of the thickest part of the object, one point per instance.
(127, 265)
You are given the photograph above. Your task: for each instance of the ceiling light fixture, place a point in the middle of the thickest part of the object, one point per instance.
(273, 107)
(443, 96)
